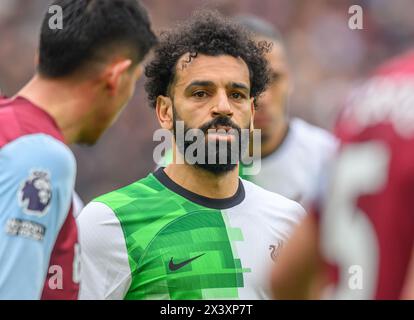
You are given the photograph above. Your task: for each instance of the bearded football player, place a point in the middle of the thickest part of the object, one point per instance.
(191, 231)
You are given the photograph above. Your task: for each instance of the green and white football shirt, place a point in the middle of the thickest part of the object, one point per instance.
(155, 240)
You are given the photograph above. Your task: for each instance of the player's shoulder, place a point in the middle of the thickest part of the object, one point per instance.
(111, 204)
(30, 137)
(96, 213)
(9, 125)
(135, 191)
(20, 117)
(38, 151)
(275, 201)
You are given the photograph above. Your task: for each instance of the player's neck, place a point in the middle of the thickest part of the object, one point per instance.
(202, 182)
(272, 143)
(60, 100)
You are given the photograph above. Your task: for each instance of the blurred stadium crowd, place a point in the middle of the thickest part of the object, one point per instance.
(327, 57)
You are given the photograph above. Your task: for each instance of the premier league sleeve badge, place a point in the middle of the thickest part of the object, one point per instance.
(35, 193)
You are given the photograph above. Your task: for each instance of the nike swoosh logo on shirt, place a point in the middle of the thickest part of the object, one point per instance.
(175, 267)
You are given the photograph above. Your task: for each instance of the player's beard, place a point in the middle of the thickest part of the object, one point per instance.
(216, 167)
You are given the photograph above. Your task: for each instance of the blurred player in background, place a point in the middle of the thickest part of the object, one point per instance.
(86, 73)
(191, 231)
(362, 242)
(294, 152)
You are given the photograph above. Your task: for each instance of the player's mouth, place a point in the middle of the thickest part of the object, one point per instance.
(225, 133)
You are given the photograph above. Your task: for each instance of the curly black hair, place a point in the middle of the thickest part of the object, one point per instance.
(206, 32)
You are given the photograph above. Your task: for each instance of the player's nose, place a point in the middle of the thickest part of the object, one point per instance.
(222, 105)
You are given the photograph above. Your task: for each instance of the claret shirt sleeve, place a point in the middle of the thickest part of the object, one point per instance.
(37, 176)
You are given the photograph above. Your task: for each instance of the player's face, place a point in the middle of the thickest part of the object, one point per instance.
(272, 103)
(214, 93)
(210, 87)
(111, 105)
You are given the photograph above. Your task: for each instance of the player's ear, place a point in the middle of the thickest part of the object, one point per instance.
(138, 71)
(165, 112)
(113, 74)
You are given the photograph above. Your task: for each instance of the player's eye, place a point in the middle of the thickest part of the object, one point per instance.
(237, 96)
(200, 94)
